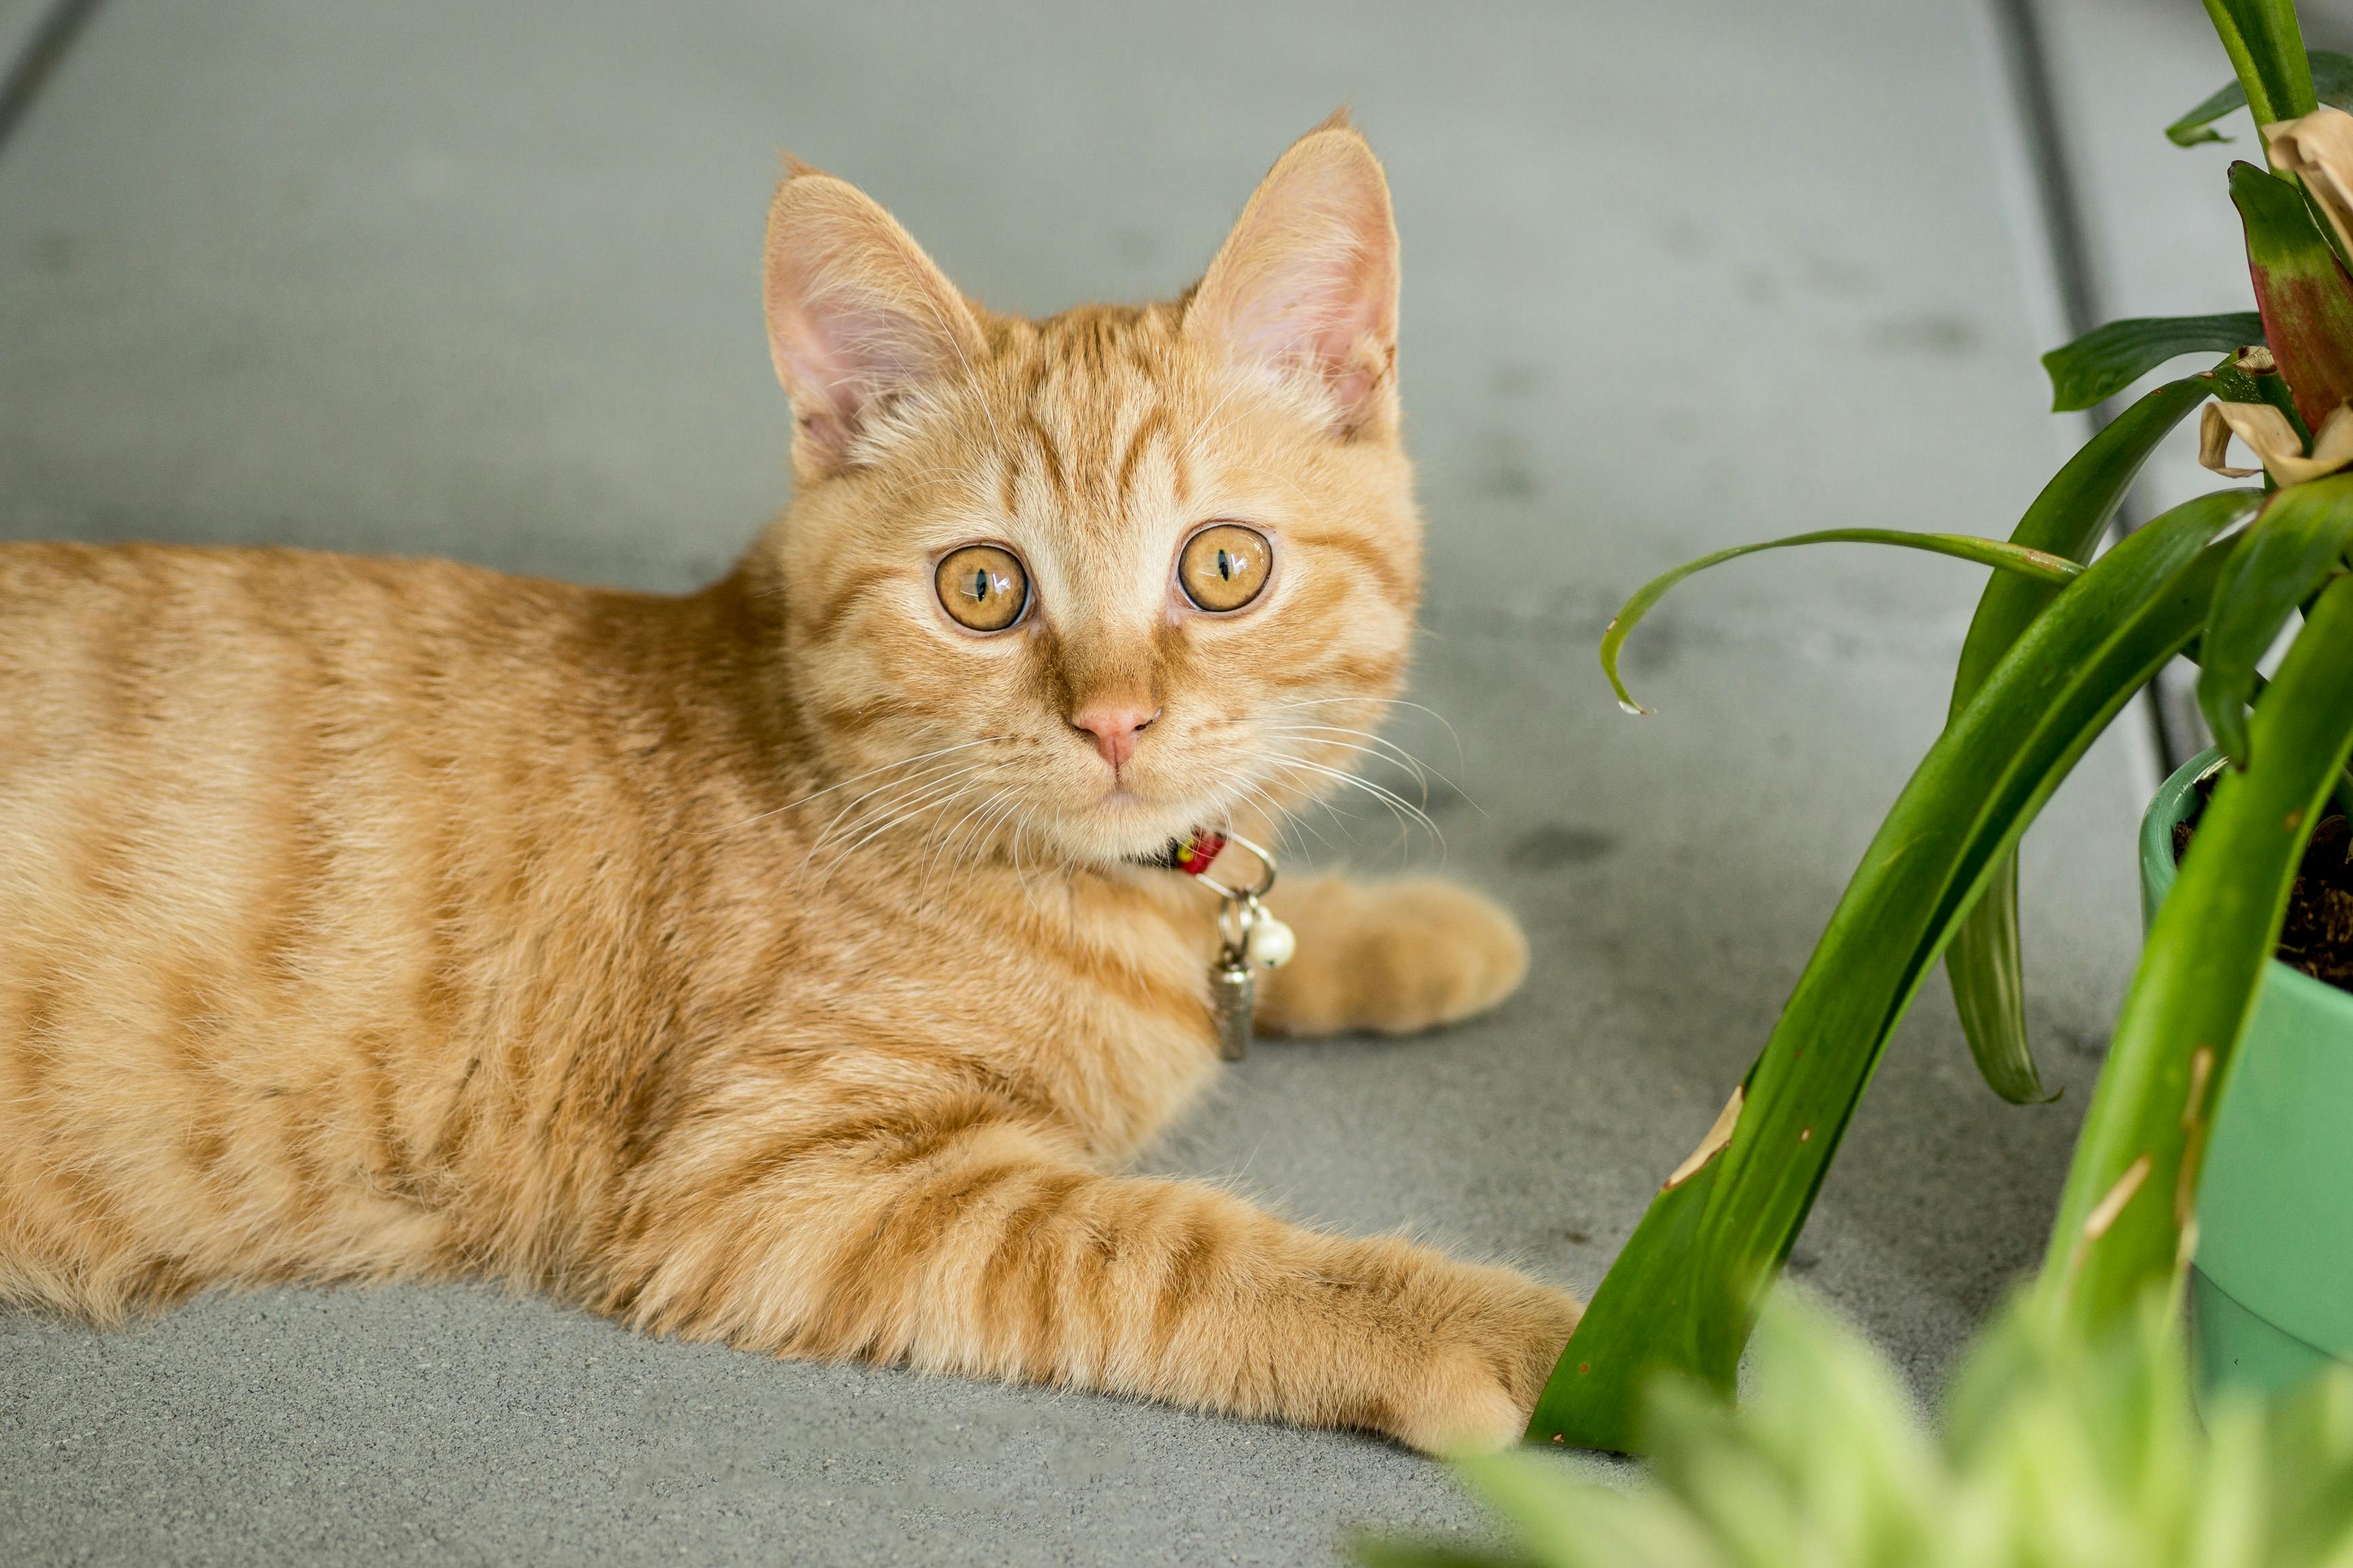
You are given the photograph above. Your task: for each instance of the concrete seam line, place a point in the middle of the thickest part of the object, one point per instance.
(2178, 735)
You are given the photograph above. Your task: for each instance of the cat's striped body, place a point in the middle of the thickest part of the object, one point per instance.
(762, 963)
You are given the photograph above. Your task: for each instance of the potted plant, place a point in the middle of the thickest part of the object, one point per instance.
(2064, 637)
(2271, 1285)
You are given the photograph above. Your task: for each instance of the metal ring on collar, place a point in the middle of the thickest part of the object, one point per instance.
(1266, 864)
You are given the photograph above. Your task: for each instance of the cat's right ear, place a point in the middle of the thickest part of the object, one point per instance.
(858, 315)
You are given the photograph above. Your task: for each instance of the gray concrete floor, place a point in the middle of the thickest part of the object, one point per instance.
(18, 21)
(483, 281)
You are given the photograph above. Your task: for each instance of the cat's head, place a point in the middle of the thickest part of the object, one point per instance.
(1096, 580)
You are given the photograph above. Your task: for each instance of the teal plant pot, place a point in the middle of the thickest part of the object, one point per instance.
(2272, 1290)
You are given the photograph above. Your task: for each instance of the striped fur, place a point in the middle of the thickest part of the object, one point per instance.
(764, 965)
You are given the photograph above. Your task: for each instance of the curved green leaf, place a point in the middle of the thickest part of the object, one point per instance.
(2106, 360)
(2266, 50)
(2332, 83)
(2300, 539)
(2067, 518)
(2040, 564)
(1988, 984)
(1682, 1294)
(2125, 1216)
(2198, 125)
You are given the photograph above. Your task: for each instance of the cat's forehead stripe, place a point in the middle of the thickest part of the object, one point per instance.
(1154, 421)
(1090, 442)
(1049, 457)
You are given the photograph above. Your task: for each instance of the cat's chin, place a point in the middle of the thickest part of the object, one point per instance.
(1124, 826)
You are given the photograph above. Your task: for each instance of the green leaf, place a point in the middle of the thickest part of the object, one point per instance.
(1682, 1294)
(2040, 564)
(2132, 1184)
(2306, 298)
(2300, 539)
(2332, 83)
(1822, 1402)
(2266, 50)
(2051, 1451)
(2067, 518)
(1542, 1517)
(1560, 1521)
(2198, 125)
(1988, 982)
(2106, 360)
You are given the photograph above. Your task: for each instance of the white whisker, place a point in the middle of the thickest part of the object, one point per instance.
(1422, 772)
(846, 820)
(942, 846)
(943, 793)
(1382, 702)
(1404, 809)
(844, 784)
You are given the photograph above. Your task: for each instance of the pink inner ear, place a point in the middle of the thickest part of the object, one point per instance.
(1319, 287)
(840, 353)
(1309, 277)
(1319, 317)
(856, 312)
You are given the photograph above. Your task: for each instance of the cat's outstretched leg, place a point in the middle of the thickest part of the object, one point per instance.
(959, 1241)
(1391, 957)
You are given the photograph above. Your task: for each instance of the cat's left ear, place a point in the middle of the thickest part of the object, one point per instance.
(1307, 282)
(857, 316)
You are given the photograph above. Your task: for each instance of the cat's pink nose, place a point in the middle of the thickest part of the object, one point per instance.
(1116, 727)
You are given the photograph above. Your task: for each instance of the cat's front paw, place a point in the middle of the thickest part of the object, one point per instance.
(1476, 1394)
(1392, 957)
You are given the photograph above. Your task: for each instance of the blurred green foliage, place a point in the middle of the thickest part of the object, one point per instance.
(2049, 1452)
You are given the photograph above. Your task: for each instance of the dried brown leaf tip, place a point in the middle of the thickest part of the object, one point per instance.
(2267, 433)
(2317, 148)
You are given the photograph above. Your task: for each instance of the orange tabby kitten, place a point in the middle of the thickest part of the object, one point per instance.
(773, 964)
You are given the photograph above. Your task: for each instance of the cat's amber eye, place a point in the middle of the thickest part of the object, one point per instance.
(983, 586)
(1224, 566)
